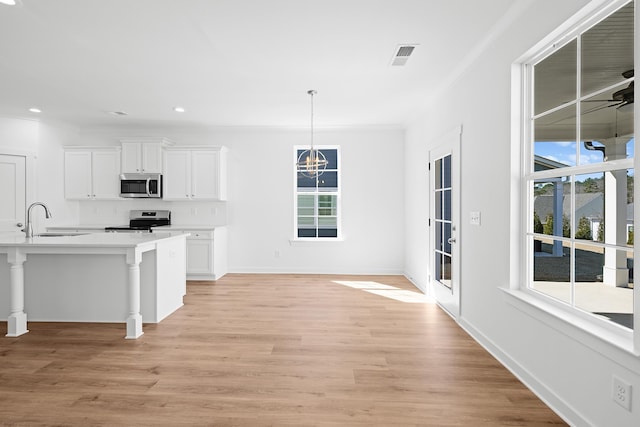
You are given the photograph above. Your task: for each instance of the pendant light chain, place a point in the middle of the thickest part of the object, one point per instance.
(312, 153)
(312, 162)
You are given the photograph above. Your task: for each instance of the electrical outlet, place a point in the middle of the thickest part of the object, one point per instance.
(276, 253)
(474, 218)
(621, 393)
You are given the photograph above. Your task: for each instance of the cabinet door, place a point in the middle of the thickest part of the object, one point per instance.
(104, 171)
(77, 174)
(131, 157)
(204, 175)
(177, 175)
(151, 154)
(199, 256)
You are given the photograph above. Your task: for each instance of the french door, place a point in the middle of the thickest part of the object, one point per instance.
(444, 168)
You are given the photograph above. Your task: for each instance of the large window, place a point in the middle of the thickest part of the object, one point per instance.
(317, 199)
(579, 171)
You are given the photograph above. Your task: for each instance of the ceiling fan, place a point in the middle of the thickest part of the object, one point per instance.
(619, 98)
(625, 96)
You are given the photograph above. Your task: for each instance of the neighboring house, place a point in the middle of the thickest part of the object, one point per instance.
(588, 205)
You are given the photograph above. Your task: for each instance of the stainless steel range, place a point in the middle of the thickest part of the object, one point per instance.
(141, 221)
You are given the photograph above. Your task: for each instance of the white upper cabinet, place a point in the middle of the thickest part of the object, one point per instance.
(141, 157)
(195, 173)
(91, 173)
(177, 175)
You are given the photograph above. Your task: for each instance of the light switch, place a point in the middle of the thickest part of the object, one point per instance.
(474, 218)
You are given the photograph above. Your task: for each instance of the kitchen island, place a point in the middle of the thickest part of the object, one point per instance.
(96, 277)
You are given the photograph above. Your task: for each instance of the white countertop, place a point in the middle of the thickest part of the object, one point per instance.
(101, 227)
(186, 227)
(91, 240)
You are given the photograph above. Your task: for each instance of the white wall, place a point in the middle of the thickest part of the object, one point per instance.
(18, 135)
(259, 211)
(555, 359)
(49, 176)
(42, 145)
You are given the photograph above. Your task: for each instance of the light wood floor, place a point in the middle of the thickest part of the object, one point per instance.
(266, 350)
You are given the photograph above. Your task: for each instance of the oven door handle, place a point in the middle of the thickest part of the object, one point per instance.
(149, 187)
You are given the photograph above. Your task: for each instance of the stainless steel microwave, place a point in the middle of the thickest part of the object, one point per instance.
(141, 185)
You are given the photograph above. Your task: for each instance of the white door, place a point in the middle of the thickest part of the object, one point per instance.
(444, 166)
(12, 193)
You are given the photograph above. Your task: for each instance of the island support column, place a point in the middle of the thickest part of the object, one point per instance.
(17, 320)
(134, 320)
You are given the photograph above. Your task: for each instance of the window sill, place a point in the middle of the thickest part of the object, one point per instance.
(574, 326)
(314, 241)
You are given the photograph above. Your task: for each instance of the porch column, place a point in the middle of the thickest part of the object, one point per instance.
(615, 271)
(558, 215)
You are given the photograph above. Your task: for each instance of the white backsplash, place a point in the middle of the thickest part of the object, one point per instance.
(116, 212)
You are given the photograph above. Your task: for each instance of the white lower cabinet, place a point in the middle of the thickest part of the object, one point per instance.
(206, 253)
(200, 253)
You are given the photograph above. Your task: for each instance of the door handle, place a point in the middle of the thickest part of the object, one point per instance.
(19, 224)
(451, 240)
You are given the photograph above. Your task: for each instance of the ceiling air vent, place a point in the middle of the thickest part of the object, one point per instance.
(402, 54)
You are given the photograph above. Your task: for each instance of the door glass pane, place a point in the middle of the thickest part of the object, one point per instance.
(438, 174)
(438, 195)
(443, 269)
(446, 205)
(446, 172)
(446, 227)
(445, 277)
(439, 244)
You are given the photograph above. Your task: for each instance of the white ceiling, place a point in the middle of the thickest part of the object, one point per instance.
(232, 62)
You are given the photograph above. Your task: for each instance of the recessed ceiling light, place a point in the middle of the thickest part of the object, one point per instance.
(178, 109)
(33, 109)
(9, 2)
(118, 113)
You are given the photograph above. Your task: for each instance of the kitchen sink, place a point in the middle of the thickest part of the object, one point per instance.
(60, 234)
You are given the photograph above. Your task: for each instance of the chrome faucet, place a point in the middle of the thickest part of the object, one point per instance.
(29, 229)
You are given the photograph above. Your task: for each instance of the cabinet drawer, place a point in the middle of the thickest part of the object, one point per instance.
(199, 234)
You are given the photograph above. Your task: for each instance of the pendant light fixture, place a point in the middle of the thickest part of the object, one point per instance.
(311, 163)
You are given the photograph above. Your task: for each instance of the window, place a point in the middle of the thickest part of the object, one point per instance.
(317, 200)
(579, 171)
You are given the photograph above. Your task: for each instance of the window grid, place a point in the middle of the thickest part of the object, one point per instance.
(571, 243)
(317, 201)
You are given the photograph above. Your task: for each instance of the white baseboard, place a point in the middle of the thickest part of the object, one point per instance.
(271, 270)
(559, 406)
